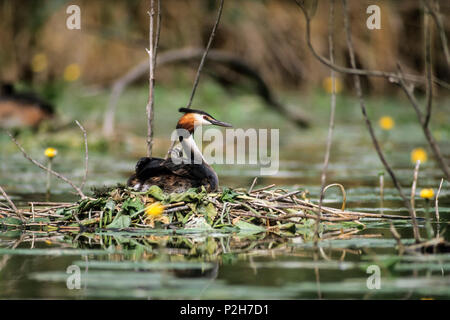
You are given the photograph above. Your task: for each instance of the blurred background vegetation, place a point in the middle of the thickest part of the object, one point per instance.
(269, 34)
(75, 69)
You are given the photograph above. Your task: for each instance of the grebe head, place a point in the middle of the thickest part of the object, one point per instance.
(193, 118)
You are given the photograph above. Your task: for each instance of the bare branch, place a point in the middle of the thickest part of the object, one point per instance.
(409, 91)
(435, 14)
(56, 174)
(153, 46)
(428, 70)
(358, 89)
(202, 62)
(391, 76)
(86, 154)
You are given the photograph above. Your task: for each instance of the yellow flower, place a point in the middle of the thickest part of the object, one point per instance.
(418, 154)
(154, 210)
(50, 152)
(427, 193)
(39, 62)
(72, 72)
(386, 123)
(328, 85)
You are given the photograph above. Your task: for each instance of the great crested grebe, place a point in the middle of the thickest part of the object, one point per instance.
(173, 176)
(19, 110)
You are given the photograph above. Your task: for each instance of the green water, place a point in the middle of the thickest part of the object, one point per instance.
(162, 265)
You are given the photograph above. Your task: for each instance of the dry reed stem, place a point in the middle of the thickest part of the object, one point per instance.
(323, 177)
(413, 196)
(253, 185)
(11, 203)
(153, 45)
(86, 154)
(437, 200)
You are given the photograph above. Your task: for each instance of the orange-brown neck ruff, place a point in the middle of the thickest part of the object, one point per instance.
(187, 122)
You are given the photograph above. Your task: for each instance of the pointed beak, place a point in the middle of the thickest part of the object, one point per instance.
(220, 123)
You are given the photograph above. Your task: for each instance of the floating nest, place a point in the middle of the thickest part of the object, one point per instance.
(267, 209)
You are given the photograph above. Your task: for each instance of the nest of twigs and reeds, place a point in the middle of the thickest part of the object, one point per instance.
(267, 209)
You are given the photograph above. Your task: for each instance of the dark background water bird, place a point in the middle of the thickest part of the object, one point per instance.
(20, 110)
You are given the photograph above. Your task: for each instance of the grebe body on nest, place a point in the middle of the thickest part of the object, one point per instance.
(176, 176)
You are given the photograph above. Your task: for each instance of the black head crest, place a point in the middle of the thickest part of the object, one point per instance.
(188, 110)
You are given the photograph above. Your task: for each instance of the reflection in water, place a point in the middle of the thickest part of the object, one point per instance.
(212, 266)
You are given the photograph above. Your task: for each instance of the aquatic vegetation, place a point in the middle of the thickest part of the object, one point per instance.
(266, 209)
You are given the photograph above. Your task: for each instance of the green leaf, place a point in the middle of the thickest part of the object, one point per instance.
(249, 228)
(228, 195)
(191, 195)
(156, 193)
(11, 220)
(209, 211)
(120, 221)
(131, 206)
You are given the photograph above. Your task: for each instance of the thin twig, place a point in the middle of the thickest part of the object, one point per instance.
(86, 154)
(323, 179)
(202, 61)
(428, 69)
(409, 91)
(413, 196)
(200, 67)
(264, 188)
(435, 14)
(56, 174)
(287, 195)
(381, 192)
(253, 185)
(396, 235)
(13, 206)
(437, 200)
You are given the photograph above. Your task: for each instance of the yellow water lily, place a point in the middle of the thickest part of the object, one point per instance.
(50, 152)
(39, 62)
(327, 84)
(427, 193)
(386, 123)
(154, 210)
(72, 72)
(419, 154)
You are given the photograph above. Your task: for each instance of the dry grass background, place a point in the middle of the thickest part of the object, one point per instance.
(268, 34)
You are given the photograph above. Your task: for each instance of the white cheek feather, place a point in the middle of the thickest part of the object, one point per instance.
(199, 120)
